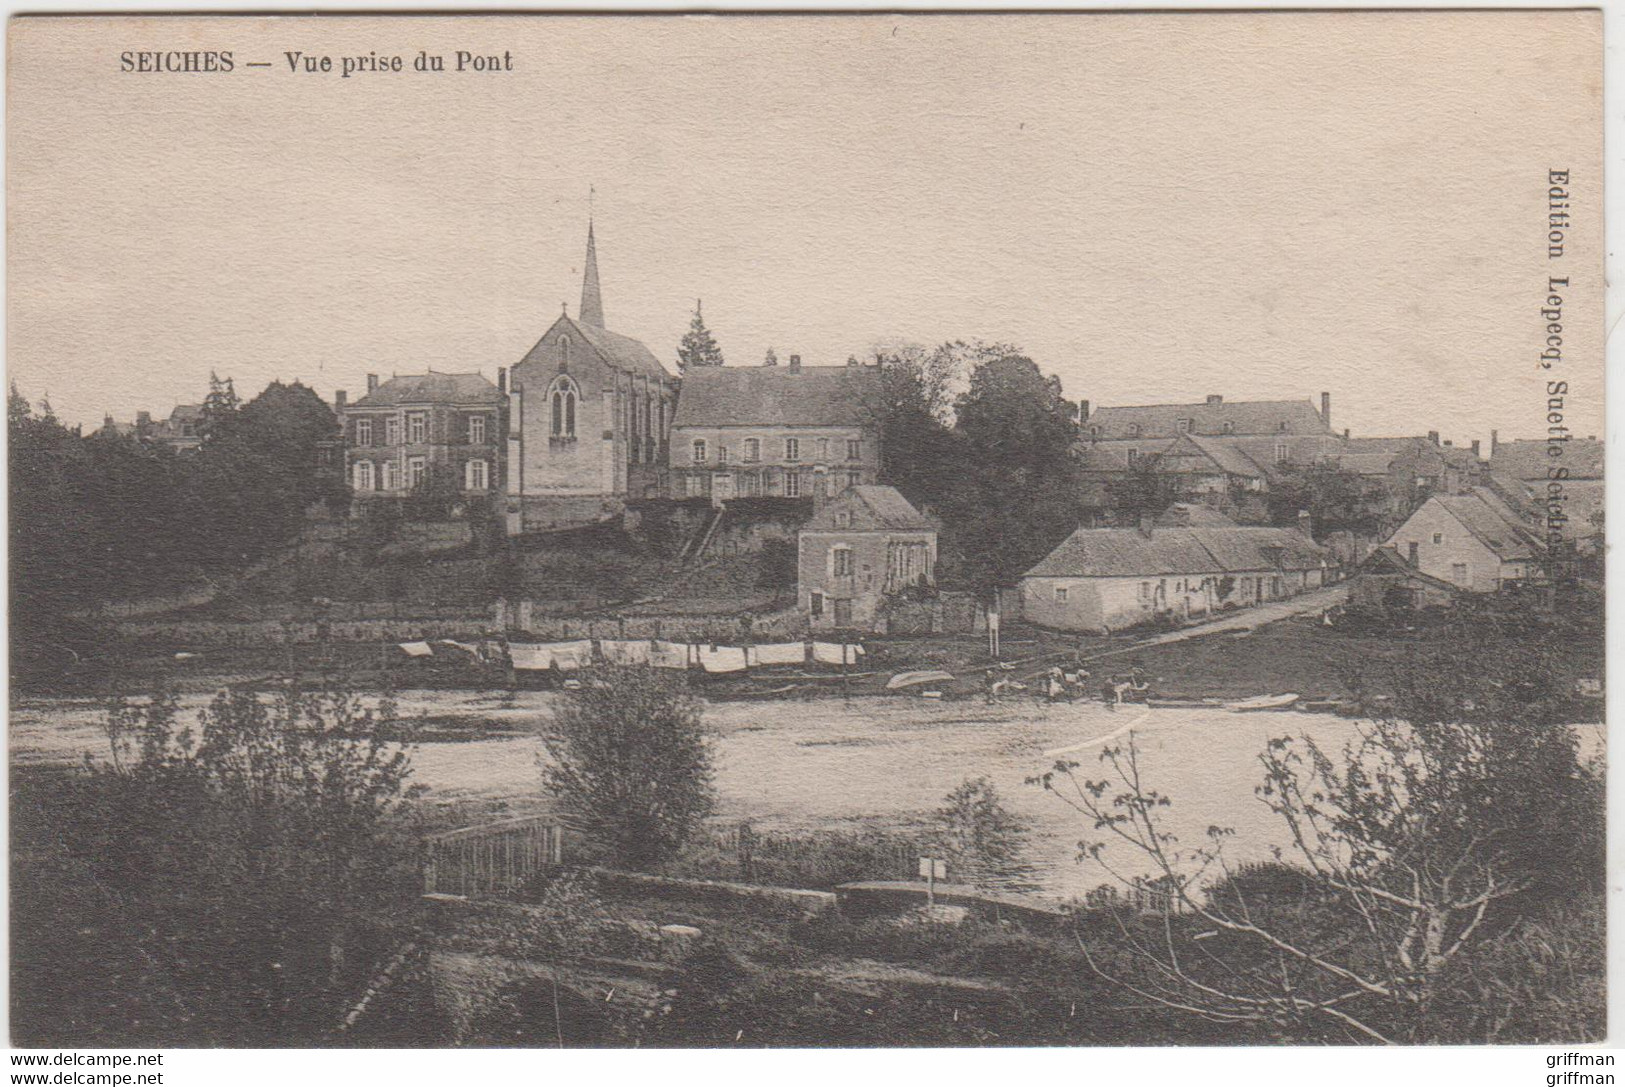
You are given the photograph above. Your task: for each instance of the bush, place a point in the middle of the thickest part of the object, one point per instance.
(630, 765)
(248, 856)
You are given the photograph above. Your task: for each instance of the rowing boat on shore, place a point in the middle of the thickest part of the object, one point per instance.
(1262, 702)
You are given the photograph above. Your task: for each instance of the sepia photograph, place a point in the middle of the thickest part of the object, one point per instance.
(884, 530)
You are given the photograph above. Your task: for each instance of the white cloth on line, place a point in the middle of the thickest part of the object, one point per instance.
(669, 655)
(779, 653)
(830, 653)
(624, 652)
(723, 658)
(569, 655)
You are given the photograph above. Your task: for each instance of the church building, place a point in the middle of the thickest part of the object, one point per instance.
(589, 416)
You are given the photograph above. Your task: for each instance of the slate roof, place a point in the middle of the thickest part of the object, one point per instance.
(1492, 522)
(1388, 560)
(1193, 515)
(1244, 416)
(1226, 455)
(1127, 552)
(1366, 464)
(714, 396)
(431, 388)
(885, 507)
(614, 350)
(621, 352)
(1583, 457)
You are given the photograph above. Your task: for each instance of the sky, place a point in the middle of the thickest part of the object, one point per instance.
(1155, 208)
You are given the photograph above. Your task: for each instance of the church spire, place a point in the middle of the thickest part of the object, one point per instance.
(592, 302)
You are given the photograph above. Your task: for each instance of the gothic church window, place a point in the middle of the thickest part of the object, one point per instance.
(564, 397)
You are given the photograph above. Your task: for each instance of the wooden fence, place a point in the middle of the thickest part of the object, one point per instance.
(493, 859)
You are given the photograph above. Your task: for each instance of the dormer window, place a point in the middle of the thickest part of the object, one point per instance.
(1229, 427)
(1185, 425)
(1280, 452)
(1134, 430)
(1283, 427)
(843, 519)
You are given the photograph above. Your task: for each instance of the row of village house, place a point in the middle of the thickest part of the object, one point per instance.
(589, 420)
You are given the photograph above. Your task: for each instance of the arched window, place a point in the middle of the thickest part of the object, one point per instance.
(564, 352)
(363, 475)
(564, 397)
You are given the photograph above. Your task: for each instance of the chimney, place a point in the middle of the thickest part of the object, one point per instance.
(1495, 440)
(1215, 398)
(1345, 434)
(340, 398)
(1083, 411)
(851, 360)
(107, 420)
(1447, 441)
(1146, 523)
(1306, 524)
(372, 384)
(143, 419)
(1433, 436)
(502, 380)
(795, 364)
(1475, 448)
(1326, 410)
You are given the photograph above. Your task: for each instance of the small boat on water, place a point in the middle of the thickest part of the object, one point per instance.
(1262, 702)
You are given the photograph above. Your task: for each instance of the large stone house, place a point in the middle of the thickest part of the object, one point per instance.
(1218, 451)
(862, 547)
(590, 412)
(418, 429)
(1104, 579)
(1475, 541)
(789, 431)
(1566, 491)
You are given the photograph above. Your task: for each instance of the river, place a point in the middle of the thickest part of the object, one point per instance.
(881, 762)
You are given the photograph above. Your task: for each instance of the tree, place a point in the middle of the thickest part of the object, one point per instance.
(982, 840)
(1454, 820)
(248, 488)
(698, 348)
(219, 407)
(912, 404)
(1337, 500)
(247, 851)
(629, 762)
(1140, 492)
(770, 359)
(1022, 491)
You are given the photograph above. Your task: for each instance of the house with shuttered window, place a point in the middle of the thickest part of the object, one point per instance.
(417, 428)
(863, 547)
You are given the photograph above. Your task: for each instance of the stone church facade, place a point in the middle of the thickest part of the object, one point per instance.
(589, 420)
